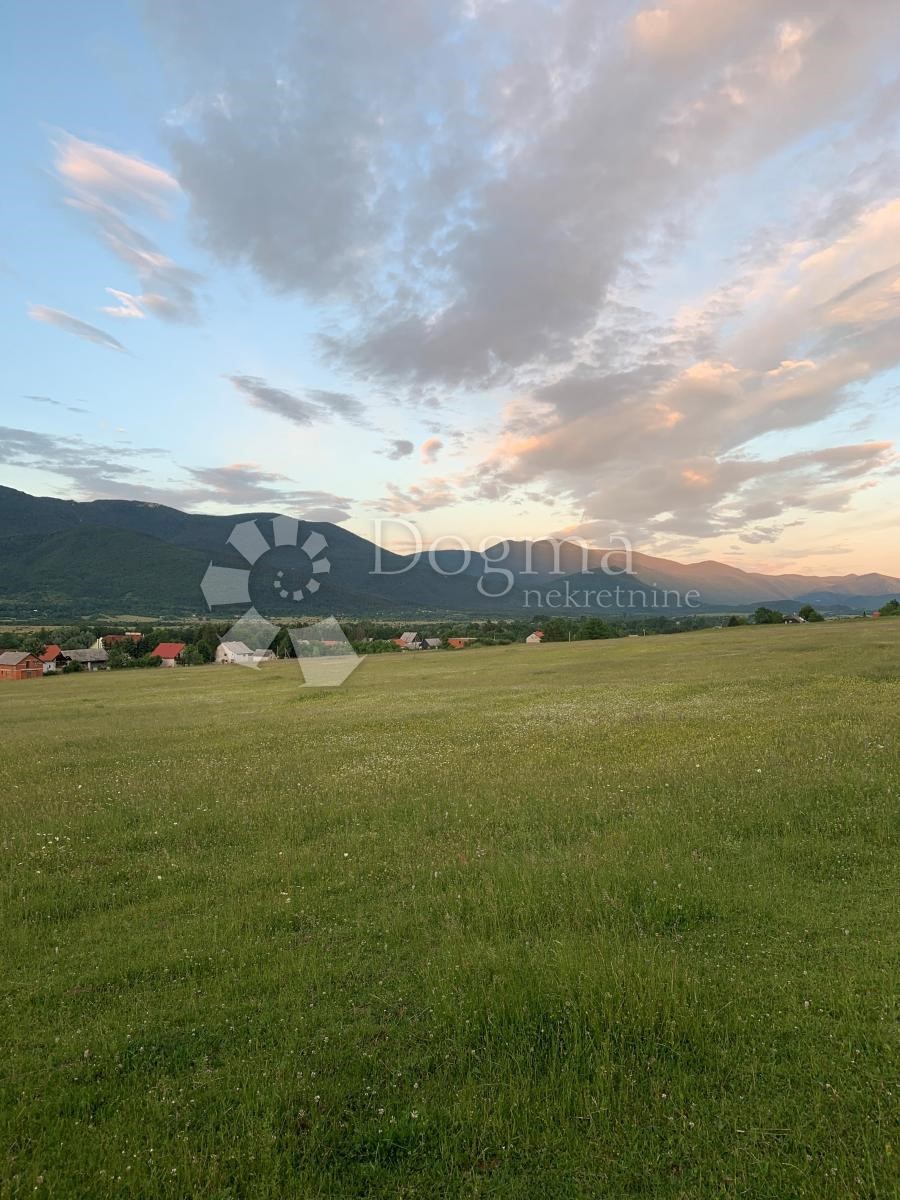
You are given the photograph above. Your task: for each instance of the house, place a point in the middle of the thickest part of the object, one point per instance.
(233, 652)
(794, 619)
(169, 652)
(240, 653)
(432, 644)
(19, 664)
(458, 643)
(90, 660)
(52, 659)
(535, 639)
(408, 641)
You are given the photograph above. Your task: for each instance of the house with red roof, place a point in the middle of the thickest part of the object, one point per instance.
(535, 639)
(52, 659)
(169, 652)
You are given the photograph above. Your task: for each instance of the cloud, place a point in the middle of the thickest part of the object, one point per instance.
(514, 201)
(339, 403)
(248, 483)
(664, 442)
(62, 320)
(73, 408)
(115, 472)
(95, 470)
(398, 448)
(100, 183)
(169, 291)
(430, 449)
(98, 170)
(314, 405)
(434, 493)
(128, 306)
(490, 171)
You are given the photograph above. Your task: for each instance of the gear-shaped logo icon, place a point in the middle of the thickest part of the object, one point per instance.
(323, 647)
(231, 585)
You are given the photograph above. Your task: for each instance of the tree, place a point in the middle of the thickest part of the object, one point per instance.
(71, 668)
(891, 609)
(192, 656)
(593, 628)
(557, 629)
(808, 613)
(119, 657)
(734, 619)
(207, 641)
(768, 616)
(283, 647)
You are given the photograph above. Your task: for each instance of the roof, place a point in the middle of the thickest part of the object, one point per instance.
(50, 652)
(12, 658)
(234, 647)
(85, 656)
(168, 649)
(435, 642)
(409, 637)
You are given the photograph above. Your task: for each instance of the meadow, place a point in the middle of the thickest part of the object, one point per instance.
(601, 919)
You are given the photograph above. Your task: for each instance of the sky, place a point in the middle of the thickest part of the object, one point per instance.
(460, 270)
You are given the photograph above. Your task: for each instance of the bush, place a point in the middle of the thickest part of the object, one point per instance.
(71, 668)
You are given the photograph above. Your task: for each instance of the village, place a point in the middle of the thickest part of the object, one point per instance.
(111, 650)
(34, 656)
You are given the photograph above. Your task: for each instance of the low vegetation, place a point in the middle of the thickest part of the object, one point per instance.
(612, 919)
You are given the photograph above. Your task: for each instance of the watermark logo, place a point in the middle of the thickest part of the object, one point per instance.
(552, 573)
(324, 653)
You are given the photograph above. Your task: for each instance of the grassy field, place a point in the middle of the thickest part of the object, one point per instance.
(609, 919)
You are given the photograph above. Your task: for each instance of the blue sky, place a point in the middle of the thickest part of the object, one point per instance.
(494, 268)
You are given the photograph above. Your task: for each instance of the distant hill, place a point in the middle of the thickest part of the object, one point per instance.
(61, 558)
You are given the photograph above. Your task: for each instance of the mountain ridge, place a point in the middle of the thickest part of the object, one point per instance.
(151, 558)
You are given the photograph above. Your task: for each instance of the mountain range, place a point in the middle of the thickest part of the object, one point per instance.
(66, 558)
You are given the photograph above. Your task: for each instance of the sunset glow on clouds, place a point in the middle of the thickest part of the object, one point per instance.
(507, 268)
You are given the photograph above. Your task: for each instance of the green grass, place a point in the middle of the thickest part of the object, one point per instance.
(609, 919)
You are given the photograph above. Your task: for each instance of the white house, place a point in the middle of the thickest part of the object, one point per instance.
(535, 639)
(233, 652)
(240, 653)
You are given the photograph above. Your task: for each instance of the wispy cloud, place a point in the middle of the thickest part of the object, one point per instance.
(312, 406)
(98, 170)
(250, 484)
(101, 184)
(96, 471)
(418, 497)
(63, 320)
(73, 408)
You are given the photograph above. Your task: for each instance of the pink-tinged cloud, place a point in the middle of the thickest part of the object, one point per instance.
(431, 449)
(97, 170)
